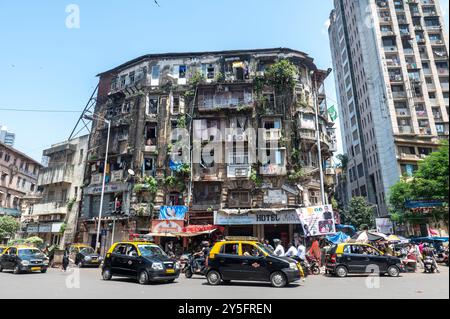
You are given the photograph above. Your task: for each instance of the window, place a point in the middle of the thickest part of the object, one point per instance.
(132, 74)
(229, 249)
(239, 198)
(80, 156)
(208, 71)
(360, 170)
(155, 72)
(153, 105)
(149, 166)
(7, 158)
(123, 79)
(176, 105)
(207, 193)
(114, 83)
(175, 199)
(182, 72)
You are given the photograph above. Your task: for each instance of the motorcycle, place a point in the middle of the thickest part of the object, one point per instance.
(190, 268)
(303, 264)
(429, 265)
(313, 265)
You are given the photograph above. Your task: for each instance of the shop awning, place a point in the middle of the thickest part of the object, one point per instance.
(190, 231)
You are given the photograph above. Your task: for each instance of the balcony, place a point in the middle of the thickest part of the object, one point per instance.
(393, 78)
(56, 207)
(399, 95)
(117, 176)
(150, 149)
(424, 131)
(421, 114)
(442, 71)
(60, 173)
(409, 157)
(408, 51)
(272, 134)
(444, 86)
(207, 174)
(28, 173)
(308, 135)
(402, 112)
(238, 170)
(227, 100)
(272, 169)
(405, 130)
(390, 48)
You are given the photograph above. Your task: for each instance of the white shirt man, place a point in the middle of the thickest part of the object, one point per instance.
(301, 252)
(279, 250)
(292, 251)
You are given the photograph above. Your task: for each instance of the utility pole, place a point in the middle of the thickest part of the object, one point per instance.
(319, 149)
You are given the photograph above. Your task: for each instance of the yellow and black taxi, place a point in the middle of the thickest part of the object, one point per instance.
(245, 259)
(23, 259)
(84, 255)
(2, 249)
(357, 258)
(142, 260)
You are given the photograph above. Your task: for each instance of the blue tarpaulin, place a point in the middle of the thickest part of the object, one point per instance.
(339, 226)
(428, 239)
(174, 166)
(337, 238)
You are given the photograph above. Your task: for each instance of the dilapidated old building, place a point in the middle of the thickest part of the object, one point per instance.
(251, 131)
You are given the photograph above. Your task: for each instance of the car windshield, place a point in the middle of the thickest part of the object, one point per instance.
(87, 250)
(151, 251)
(264, 249)
(30, 253)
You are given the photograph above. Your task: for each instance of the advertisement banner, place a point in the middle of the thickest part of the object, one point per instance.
(269, 218)
(317, 220)
(167, 226)
(172, 212)
(384, 225)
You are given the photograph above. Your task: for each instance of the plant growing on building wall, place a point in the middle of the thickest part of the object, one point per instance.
(70, 204)
(181, 121)
(35, 241)
(63, 227)
(297, 174)
(256, 178)
(282, 75)
(193, 82)
(220, 77)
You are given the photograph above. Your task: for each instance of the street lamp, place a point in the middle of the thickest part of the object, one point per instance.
(92, 118)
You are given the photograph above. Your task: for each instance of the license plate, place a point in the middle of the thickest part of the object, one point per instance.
(35, 268)
(170, 271)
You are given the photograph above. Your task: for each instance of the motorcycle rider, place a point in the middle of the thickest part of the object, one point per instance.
(200, 257)
(292, 251)
(429, 252)
(279, 249)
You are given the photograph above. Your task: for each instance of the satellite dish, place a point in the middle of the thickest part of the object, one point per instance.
(131, 172)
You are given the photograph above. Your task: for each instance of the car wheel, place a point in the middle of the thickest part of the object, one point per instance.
(213, 278)
(393, 271)
(278, 279)
(106, 274)
(1, 268)
(16, 269)
(170, 281)
(143, 277)
(188, 273)
(341, 271)
(44, 270)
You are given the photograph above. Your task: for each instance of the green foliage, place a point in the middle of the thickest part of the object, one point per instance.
(147, 184)
(70, 204)
(173, 181)
(220, 77)
(36, 241)
(63, 228)
(282, 75)
(297, 175)
(193, 82)
(256, 178)
(181, 121)
(8, 226)
(359, 213)
(429, 182)
(343, 161)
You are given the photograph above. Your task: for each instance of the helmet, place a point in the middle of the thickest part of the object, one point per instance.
(276, 241)
(205, 243)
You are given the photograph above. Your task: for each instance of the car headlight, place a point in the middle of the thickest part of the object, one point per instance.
(293, 266)
(25, 262)
(177, 265)
(87, 258)
(157, 266)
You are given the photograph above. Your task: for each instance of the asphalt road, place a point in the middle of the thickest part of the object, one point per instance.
(87, 283)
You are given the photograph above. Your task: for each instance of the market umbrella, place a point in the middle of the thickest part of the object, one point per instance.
(393, 239)
(365, 237)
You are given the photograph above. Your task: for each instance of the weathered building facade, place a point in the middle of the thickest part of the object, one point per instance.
(18, 180)
(54, 216)
(252, 138)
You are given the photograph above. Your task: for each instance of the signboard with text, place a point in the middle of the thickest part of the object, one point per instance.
(317, 220)
(269, 218)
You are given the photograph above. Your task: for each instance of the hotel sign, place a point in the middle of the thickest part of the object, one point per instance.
(269, 218)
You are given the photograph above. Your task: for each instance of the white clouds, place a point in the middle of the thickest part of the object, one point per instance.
(326, 26)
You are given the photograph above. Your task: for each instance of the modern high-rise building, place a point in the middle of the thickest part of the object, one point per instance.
(391, 69)
(6, 137)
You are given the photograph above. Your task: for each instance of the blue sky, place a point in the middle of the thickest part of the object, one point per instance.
(45, 65)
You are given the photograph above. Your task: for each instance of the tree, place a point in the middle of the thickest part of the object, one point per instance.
(399, 193)
(8, 226)
(358, 213)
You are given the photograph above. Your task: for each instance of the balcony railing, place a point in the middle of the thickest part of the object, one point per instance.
(273, 134)
(404, 129)
(56, 207)
(60, 173)
(399, 95)
(272, 169)
(402, 112)
(235, 101)
(238, 170)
